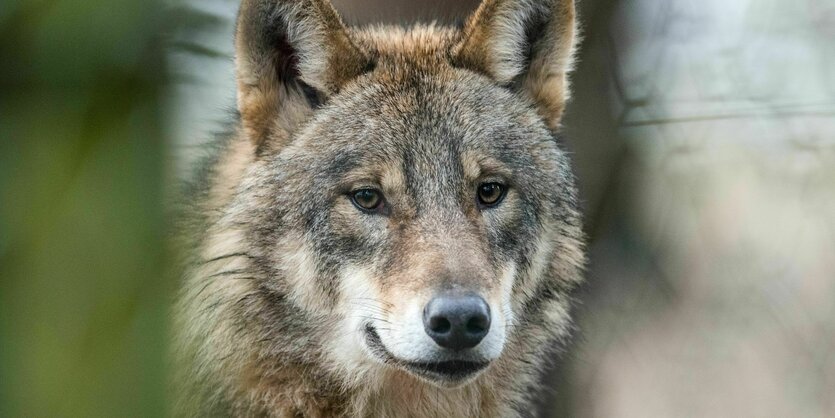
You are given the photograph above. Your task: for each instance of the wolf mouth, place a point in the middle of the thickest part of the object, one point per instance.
(450, 371)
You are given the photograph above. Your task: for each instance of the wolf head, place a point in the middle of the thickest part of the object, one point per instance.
(405, 206)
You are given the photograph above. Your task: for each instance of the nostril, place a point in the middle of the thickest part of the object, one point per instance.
(440, 325)
(477, 325)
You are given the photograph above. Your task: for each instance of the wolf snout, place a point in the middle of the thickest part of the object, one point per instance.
(457, 321)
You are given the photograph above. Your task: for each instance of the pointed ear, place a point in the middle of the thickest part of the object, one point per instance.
(289, 56)
(527, 44)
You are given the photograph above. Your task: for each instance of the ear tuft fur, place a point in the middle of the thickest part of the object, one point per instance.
(290, 56)
(528, 44)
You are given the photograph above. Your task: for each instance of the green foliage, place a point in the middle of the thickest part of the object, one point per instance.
(83, 290)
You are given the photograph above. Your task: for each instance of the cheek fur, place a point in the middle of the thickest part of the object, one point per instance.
(344, 235)
(509, 228)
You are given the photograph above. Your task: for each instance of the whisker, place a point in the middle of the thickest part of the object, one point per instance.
(229, 273)
(375, 319)
(225, 256)
(373, 309)
(374, 300)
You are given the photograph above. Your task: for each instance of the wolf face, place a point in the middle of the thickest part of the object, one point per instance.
(403, 194)
(396, 202)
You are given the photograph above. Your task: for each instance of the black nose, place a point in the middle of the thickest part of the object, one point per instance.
(457, 321)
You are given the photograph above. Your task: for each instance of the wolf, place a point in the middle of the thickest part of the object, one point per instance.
(392, 227)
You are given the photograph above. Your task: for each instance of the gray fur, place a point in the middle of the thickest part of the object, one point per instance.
(285, 272)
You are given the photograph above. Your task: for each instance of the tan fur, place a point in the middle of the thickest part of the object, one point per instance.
(230, 170)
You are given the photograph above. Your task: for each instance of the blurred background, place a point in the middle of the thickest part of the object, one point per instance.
(703, 136)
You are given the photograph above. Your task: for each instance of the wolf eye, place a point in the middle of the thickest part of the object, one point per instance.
(367, 199)
(490, 194)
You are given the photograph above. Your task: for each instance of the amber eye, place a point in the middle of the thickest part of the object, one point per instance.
(490, 194)
(367, 199)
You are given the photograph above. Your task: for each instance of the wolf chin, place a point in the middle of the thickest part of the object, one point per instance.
(392, 228)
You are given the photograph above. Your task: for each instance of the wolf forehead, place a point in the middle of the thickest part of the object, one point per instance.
(414, 101)
(411, 73)
(429, 112)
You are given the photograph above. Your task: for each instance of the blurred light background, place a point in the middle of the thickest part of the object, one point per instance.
(703, 135)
